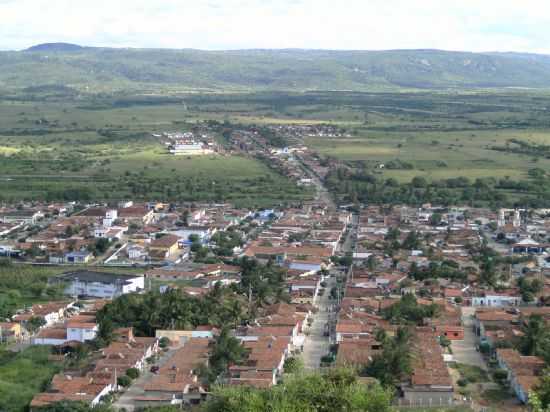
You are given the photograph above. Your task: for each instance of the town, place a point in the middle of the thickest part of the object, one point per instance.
(153, 304)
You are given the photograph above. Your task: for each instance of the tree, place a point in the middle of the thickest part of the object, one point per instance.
(227, 351)
(536, 338)
(35, 323)
(542, 390)
(419, 182)
(529, 289)
(372, 262)
(164, 342)
(132, 373)
(412, 241)
(105, 333)
(124, 381)
(435, 219)
(395, 360)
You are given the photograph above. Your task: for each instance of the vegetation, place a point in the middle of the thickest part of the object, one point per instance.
(24, 374)
(337, 390)
(408, 310)
(394, 363)
(293, 365)
(536, 338)
(22, 286)
(262, 70)
(227, 351)
(541, 394)
(170, 310)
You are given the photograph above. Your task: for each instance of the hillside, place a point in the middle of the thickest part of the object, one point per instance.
(104, 69)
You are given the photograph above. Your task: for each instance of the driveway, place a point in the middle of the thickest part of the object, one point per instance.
(464, 351)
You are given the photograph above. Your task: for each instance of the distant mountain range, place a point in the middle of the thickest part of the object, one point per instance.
(103, 69)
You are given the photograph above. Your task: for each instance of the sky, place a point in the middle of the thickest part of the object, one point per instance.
(470, 25)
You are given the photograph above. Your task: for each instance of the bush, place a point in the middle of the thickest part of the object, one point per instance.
(327, 359)
(500, 375)
(132, 373)
(124, 381)
(293, 365)
(462, 382)
(164, 342)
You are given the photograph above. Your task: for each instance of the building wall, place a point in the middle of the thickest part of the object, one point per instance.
(435, 398)
(81, 334)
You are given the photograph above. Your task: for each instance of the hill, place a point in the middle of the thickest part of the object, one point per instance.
(55, 47)
(106, 69)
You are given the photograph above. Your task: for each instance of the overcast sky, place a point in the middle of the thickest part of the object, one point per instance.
(476, 25)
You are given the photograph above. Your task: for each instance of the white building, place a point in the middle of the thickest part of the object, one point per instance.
(496, 300)
(101, 285)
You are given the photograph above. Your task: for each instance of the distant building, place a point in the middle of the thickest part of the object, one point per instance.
(100, 285)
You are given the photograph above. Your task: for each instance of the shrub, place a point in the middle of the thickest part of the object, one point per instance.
(164, 342)
(462, 382)
(293, 365)
(124, 381)
(500, 375)
(132, 373)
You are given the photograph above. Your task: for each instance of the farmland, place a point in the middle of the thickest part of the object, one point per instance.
(57, 146)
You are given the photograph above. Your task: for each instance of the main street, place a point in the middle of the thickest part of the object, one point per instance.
(316, 344)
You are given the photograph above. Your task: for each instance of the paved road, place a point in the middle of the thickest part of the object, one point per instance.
(316, 345)
(464, 351)
(126, 400)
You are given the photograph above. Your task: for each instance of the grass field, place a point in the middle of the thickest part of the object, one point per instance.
(23, 375)
(440, 155)
(60, 150)
(53, 147)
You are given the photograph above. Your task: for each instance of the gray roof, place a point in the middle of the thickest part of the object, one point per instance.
(99, 277)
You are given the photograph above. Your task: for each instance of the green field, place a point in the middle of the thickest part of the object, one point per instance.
(23, 375)
(66, 151)
(439, 155)
(100, 146)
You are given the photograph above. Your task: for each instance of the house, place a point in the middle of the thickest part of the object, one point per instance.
(177, 382)
(125, 352)
(73, 388)
(112, 233)
(52, 312)
(10, 331)
(264, 364)
(308, 264)
(100, 284)
(523, 371)
(80, 257)
(497, 299)
(430, 383)
(136, 214)
(165, 246)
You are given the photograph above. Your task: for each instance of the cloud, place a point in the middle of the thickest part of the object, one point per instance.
(499, 25)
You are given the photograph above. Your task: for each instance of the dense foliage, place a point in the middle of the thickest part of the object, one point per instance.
(394, 362)
(171, 310)
(338, 390)
(408, 310)
(362, 186)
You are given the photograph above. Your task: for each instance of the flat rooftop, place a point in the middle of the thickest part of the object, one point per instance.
(98, 277)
